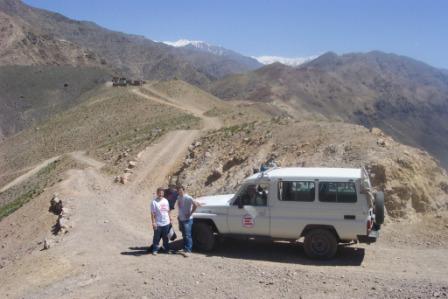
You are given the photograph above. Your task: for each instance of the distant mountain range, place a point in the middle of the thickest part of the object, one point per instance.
(122, 53)
(406, 98)
(254, 61)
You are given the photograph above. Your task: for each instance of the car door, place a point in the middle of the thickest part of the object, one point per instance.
(251, 216)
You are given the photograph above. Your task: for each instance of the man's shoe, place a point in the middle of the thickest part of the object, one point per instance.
(185, 253)
(154, 253)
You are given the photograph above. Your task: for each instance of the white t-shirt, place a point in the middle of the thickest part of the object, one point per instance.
(160, 208)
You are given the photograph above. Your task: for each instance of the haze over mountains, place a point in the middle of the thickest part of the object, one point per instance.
(406, 98)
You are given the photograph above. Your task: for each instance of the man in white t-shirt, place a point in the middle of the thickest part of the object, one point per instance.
(187, 206)
(161, 221)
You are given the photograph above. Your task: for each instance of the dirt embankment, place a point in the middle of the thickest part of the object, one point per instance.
(410, 178)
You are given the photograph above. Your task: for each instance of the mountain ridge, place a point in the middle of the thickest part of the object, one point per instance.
(406, 98)
(127, 54)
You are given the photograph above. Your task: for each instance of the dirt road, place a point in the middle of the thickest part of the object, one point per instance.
(104, 254)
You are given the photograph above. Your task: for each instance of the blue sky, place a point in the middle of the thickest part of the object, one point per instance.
(418, 29)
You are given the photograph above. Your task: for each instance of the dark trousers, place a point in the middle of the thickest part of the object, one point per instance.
(185, 228)
(161, 232)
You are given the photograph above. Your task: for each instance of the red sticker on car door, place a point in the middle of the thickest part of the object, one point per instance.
(248, 221)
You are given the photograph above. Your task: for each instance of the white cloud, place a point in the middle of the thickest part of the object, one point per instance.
(292, 61)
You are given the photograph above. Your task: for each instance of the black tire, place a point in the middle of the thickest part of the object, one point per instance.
(203, 236)
(320, 244)
(379, 208)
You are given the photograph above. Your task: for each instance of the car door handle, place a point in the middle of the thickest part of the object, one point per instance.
(349, 217)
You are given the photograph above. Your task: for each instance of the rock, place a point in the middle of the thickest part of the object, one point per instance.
(197, 143)
(207, 154)
(125, 178)
(56, 205)
(62, 222)
(132, 164)
(127, 170)
(381, 142)
(117, 179)
(187, 162)
(377, 132)
(47, 244)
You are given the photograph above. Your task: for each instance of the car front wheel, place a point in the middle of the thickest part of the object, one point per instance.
(203, 236)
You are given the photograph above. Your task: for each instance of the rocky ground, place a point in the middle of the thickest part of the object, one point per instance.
(411, 179)
(97, 244)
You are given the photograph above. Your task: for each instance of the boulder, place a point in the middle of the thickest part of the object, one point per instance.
(47, 244)
(376, 132)
(56, 205)
(381, 142)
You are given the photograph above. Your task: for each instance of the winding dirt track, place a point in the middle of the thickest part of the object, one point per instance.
(106, 219)
(104, 254)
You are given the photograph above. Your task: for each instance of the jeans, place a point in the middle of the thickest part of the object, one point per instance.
(161, 232)
(185, 227)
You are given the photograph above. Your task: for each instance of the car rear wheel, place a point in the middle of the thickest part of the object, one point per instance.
(203, 236)
(320, 244)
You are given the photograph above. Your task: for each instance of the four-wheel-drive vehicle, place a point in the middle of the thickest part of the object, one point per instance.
(326, 206)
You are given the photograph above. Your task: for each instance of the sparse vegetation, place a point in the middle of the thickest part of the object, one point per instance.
(108, 122)
(17, 196)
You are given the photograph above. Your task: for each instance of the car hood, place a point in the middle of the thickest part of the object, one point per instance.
(215, 200)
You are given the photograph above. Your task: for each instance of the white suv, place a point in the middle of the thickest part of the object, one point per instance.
(327, 206)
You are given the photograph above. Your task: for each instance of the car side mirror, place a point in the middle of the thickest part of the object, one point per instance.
(239, 202)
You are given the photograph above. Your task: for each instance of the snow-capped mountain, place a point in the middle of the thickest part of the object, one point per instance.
(228, 61)
(284, 60)
(200, 45)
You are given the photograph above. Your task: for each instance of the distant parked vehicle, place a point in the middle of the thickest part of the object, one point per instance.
(116, 81)
(326, 206)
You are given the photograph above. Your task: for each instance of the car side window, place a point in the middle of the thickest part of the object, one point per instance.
(297, 191)
(255, 195)
(337, 192)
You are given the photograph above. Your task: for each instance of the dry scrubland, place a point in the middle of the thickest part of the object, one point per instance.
(103, 251)
(108, 123)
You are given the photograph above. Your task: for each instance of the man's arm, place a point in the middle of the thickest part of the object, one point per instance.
(194, 205)
(169, 215)
(153, 218)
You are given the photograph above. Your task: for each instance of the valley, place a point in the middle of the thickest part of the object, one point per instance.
(205, 117)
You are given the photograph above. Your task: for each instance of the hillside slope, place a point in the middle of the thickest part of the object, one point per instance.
(31, 94)
(406, 98)
(410, 178)
(107, 122)
(21, 44)
(128, 54)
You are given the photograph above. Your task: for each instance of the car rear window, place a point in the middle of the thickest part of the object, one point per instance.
(337, 192)
(296, 191)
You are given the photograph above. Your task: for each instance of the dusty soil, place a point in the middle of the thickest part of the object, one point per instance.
(104, 252)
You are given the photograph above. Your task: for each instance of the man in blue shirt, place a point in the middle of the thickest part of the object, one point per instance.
(187, 206)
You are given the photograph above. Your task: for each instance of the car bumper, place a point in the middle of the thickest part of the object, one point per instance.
(370, 238)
